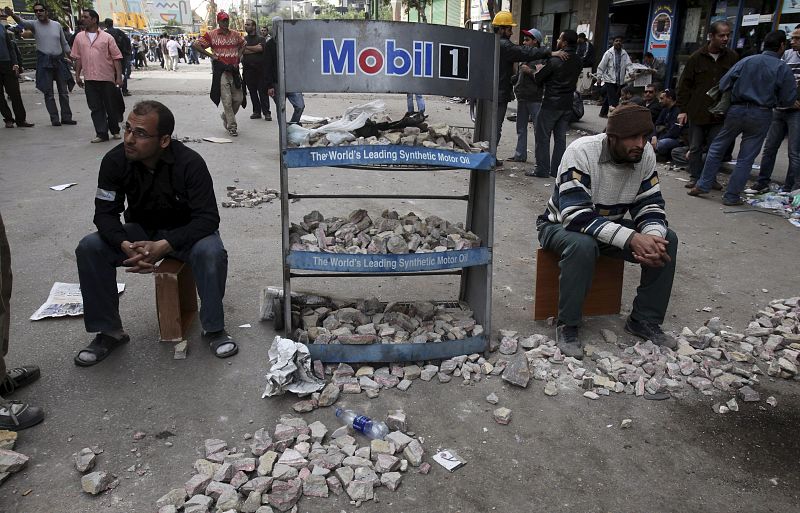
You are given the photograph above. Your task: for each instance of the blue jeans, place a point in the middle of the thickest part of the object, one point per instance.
(665, 146)
(410, 102)
(298, 104)
(526, 112)
(63, 95)
(783, 122)
(555, 122)
(752, 123)
(97, 271)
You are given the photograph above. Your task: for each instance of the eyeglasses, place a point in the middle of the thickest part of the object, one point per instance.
(138, 133)
(38, 10)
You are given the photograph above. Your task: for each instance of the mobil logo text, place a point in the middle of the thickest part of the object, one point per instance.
(343, 57)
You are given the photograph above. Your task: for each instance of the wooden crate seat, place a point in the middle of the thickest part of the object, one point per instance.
(176, 299)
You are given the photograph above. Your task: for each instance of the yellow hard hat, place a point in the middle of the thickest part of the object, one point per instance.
(503, 19)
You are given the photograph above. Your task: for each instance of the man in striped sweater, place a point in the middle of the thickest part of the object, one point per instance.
(600, 179)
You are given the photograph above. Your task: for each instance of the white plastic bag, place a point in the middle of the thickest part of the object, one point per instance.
(353, 118)
(340, 137)
(297, 135)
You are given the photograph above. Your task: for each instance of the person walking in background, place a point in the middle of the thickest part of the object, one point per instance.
(757, 84)
(703, 71)
(51, 48)
(124, 45)
(99, 60)
(529, 96)
(173, 54)
(784, 121)
(9, 83)
(254, 73)
(226, 82)
(611, 71)
(558, 79)
(410, 104)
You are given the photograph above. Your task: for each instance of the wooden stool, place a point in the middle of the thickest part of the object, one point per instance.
(176, 299)
(605, 294)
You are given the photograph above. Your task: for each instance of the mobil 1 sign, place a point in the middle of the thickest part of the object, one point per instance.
(387, 57)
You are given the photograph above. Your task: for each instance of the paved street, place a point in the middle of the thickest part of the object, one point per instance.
(561, 453)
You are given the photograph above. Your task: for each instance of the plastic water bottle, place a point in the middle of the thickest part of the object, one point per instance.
(363, 424)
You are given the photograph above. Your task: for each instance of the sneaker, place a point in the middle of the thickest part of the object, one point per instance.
(233, 132)
(758, 188)
(567, 341)
(650, 331)
(116, 136)
(15, 415)
(98, 139)
(18, 378)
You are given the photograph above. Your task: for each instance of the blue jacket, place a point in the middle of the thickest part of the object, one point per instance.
(762, 79)
(668, 118)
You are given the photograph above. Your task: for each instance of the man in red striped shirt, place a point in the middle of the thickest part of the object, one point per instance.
(226, 85)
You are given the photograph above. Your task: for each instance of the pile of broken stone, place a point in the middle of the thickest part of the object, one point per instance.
(296, 460)
(372, 322)
(358, 233)
(249, 198)
(437, 136)
(11, 461)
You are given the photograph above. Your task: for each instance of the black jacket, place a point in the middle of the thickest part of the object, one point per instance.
(560, 79)
(271, 63)
(525, 87)
(178, 197)
(509, 54)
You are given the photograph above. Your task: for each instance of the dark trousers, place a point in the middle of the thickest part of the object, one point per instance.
(555, 123)
(97, 272)
(579, 253)
(126, 72)
(502, 108)
(101, 98)
(5, 296)
(63, 95)
(700, 138)
(257, 86)
(611, 98)
(9, 85)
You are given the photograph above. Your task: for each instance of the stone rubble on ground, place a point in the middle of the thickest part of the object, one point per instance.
(297, 460)
(249, 197)
(358, 233)
(85, 460)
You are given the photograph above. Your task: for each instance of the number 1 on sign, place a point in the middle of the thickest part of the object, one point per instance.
(454, 55)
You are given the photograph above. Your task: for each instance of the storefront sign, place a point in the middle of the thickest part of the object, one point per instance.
(384, 154)
(750, 20)
(661, 28)
(412, 262)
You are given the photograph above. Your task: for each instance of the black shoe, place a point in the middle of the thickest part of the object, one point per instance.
(268, 116)
(760, 187)
(255, 116)
(516, 159)
(24, 124)
(218, 339)
(733, 203)
(126, 93)
(650, 331)
(498, 163)
(16, 416)
(787, 189)
(18, 378)
(567, 341)
(511, 117)
(56, 123)
(69, 122)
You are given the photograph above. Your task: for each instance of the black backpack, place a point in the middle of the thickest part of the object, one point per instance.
(122, 40)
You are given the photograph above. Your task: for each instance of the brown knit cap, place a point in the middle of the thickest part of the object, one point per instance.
(629, 120)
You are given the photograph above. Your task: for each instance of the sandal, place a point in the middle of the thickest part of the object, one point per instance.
(219, 339)
(100, 347)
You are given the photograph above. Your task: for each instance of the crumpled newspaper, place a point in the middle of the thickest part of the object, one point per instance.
(290, 369)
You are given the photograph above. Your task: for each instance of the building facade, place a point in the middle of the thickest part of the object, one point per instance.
(670, 29)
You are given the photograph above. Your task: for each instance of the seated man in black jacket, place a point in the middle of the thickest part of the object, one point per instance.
(171, 211)
(559, 79)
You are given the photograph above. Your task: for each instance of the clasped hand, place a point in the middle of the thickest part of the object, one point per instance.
(650, 250)
(143, 255)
